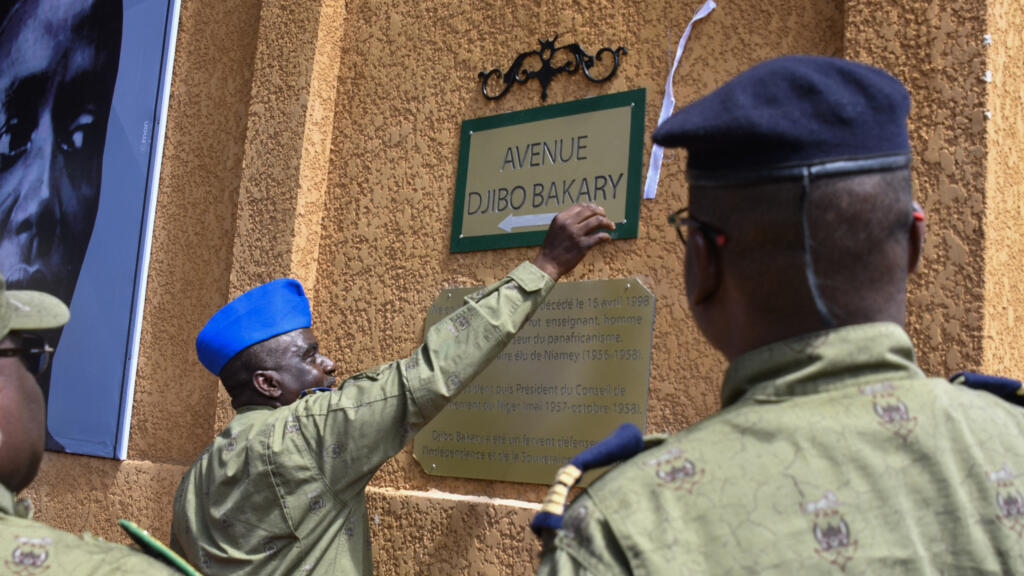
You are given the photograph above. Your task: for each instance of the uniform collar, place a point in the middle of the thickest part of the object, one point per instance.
(847, 356)
(9, 505)
(6, 501)
(253, 408)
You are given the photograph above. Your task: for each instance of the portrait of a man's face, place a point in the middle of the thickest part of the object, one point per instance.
(84, 91)
(59, 63)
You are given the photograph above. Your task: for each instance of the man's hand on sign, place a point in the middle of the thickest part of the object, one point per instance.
(572, 233)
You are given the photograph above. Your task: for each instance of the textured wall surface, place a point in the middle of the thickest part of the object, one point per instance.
(1004, 206)
(287, 141)
(287, 148)
(936, 49)
(195, 215)
(442, 534)
(318, 139)
(83, 494)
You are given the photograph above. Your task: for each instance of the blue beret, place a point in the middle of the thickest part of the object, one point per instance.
(792, 111)
(274, 308)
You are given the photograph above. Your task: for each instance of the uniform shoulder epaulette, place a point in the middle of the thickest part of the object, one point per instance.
(1006, 388)
(156, 549)
(624, 443)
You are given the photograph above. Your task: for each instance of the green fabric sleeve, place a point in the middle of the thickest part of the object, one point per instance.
(374, 414)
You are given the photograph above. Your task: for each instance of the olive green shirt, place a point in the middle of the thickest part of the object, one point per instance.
(281, 491)
(28, 547)
(834, 454)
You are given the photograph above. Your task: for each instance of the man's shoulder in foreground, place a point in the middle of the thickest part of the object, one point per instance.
(29, 547)
(632, 510)
(854, 478)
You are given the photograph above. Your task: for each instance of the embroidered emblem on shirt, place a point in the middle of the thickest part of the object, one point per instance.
(830, 530)
(291, 425)
(29, 556)
(1009, 501)
(574, 521)
(204, 560)
(316, 501)
(333, 451)
(458, 322)
(412, 363)
(892, 412)
(454, 382)
(674, 470)
(232, 444)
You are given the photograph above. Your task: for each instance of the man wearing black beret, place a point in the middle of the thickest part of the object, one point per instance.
(833, 452)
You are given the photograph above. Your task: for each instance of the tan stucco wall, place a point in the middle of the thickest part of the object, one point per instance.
(319, 139)
(936, 49)
(1004, 210)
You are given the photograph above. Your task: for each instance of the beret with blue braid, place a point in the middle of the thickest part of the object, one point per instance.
(625, 442)
(268, 310)
(792, 111)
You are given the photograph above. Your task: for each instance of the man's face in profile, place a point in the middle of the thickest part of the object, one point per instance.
(59, 62)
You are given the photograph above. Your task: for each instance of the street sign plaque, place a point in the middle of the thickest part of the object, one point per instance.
(517, 170)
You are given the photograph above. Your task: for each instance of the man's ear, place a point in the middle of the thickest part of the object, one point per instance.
(915, 244)
(704, 268)
(266, 383)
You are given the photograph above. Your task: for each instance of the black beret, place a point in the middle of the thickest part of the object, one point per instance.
(793, 111)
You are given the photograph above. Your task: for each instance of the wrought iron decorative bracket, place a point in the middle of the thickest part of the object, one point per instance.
(579, 60)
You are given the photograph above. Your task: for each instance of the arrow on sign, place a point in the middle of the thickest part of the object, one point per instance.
(525, 220)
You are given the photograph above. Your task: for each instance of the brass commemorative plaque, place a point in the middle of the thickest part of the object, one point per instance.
(574, 373)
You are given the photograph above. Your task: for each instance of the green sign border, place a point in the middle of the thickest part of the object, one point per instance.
(628, 229)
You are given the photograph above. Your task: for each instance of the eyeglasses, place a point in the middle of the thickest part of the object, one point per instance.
(678, 219)
(34, 351)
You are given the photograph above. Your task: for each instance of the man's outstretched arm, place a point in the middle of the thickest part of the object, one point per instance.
(379, 410)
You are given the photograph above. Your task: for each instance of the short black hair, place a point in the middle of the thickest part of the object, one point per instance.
(857, 227)
(237, 373)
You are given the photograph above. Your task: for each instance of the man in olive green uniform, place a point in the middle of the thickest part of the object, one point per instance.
(833, 453)
(28, 547)
(281, 489)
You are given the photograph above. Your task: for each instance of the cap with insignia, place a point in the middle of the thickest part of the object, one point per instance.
(268, 310)
(795, 118)
(30, 310)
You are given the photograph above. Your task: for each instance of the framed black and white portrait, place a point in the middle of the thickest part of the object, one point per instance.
(83, 98)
